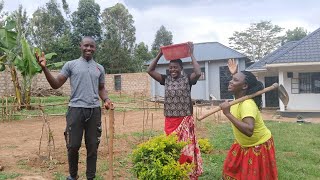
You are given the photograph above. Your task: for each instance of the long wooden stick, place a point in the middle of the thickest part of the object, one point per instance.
(111, 136)
(106, 128)
(270, 88)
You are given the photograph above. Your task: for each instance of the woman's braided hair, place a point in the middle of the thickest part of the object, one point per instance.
(253, 86)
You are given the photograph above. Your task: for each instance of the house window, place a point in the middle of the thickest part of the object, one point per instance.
(189, 71)
(225, 77)
(309, 82)
(117, 82)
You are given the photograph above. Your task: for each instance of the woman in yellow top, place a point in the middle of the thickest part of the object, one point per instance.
(252, 155)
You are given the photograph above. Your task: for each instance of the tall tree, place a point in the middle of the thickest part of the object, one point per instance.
(22, 22)
(1, 5)
(163, 37)
(141, 55)
(65, 7)
(85, 21)
(119, 40)
(295, 34)
(258, 40)
(51, 32)
(48, 24)
(2, 14)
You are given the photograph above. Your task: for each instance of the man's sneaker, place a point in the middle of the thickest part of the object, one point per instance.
(71, 178)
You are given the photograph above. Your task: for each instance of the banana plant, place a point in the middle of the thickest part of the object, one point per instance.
(29, 67)
(18, 55)
(9, 50)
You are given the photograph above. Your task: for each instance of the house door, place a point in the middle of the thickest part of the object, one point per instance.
(271, 97)
(225, 77)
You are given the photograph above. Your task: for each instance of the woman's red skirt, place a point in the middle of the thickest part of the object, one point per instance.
(184, 128)
(251, 163)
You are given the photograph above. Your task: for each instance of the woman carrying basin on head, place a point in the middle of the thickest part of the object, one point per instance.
(178, 109)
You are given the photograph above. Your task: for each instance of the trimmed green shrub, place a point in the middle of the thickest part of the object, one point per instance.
(158, 159)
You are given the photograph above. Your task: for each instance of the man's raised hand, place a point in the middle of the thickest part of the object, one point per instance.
(41, 59)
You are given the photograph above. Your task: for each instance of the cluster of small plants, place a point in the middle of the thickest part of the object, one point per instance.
(205, 146)
(158, 159)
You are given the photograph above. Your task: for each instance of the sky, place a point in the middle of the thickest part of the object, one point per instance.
(202, 20)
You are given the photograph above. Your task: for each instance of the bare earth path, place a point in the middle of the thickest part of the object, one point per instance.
(19, 142)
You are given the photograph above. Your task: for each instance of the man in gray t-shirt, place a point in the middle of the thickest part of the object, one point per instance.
(87, 81)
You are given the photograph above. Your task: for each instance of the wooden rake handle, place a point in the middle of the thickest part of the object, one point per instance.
(216, 109)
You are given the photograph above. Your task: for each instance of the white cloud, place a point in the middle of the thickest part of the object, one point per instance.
(203, 20)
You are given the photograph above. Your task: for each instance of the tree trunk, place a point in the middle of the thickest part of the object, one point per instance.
(16, 85)
(28, 97)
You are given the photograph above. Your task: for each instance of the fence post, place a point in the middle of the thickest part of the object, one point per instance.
(111, 136)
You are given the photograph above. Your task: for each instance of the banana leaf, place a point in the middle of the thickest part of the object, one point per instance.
(28, 66)
(10, 24)
(8, 38)
(56, 65)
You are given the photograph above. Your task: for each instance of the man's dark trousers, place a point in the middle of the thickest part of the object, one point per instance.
(79, 120)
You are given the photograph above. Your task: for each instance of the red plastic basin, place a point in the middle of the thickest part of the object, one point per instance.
(175, 51)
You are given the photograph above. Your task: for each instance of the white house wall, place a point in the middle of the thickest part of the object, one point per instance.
(297, 102)
(301, 102)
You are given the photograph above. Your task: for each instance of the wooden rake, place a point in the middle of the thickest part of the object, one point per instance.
(283, 96)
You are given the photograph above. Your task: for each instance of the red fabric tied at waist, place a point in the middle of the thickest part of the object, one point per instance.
(172, 123)
(185, 159)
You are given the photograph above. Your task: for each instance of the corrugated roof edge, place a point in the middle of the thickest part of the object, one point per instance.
(214, 42)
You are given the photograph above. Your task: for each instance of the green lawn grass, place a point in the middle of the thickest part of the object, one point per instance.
(54, 105)
(8, 175)
(297, 150)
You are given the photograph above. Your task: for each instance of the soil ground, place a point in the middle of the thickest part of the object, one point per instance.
(19, 142)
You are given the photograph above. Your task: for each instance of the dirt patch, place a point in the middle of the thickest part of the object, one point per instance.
(45, 92)
(19, 143)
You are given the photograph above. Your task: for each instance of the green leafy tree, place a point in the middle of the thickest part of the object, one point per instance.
(85, 21)
(22, 22)
(48, 24)
(119, 40)
(65, 7)
(258, 40)
(51, 32)
(141, 55)
(163, 37)
(2, 14)
(295, 34)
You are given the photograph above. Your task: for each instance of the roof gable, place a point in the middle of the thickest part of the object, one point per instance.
(209, 51)
(305, 50)
(260, 65)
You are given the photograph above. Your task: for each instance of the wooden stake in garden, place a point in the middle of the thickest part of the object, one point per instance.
(147, 113)
(144, 113)
(106, 128)
(124, 115)
(50, 142)
(111, 136)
